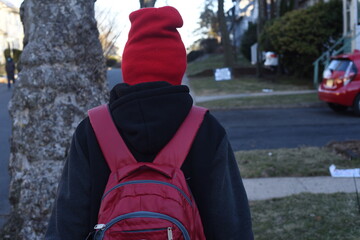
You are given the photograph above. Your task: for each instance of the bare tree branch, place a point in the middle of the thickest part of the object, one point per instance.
(109, 31)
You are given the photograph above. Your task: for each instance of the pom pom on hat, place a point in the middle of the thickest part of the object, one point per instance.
(154, 50)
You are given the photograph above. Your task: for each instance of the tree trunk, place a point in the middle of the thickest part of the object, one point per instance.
(272, 9)
(147, 3)
(62, 76)
(225, 40)
(296, 4)
(265, 12)
(259, 28)
(278, 8)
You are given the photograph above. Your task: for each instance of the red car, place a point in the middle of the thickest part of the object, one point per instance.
(340, 87)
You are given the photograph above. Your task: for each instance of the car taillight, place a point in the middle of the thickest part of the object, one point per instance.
(339, 81)
(349, 74)
(342, 81)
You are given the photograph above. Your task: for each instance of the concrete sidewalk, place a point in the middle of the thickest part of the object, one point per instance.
(267, 188)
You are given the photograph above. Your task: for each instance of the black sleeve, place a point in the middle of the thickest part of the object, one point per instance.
(228, 209)
(214, 179)
(70, 215)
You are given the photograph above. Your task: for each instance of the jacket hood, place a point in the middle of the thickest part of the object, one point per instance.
(147, 115)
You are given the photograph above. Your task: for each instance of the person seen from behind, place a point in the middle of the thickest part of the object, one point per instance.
(10, 71)
(148, 109)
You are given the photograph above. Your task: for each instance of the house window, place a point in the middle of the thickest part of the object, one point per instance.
(358, 12)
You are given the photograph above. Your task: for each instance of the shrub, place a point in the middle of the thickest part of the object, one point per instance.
(193, 55)
(7, 53)
(202, 47)
(16, 54)
(112, 61)
(301, 36)
(209, 45)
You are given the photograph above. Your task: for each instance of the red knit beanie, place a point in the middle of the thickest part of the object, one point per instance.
(154, 50)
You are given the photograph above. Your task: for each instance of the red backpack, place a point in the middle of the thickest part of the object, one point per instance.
(145, 200)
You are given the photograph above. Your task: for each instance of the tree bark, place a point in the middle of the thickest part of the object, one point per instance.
(272, 9)
(225, 40)
(62, 76)
(278, 8)
(265, 12)
(259, 29)
(296, 4)
(147, 3)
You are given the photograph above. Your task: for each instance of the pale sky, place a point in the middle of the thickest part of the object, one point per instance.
(190, 15)
(189, 10)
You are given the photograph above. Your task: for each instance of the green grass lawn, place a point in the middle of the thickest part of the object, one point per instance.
(303, 216)
(307, 217)
(206, 85)
(279, 101)
(203, 86)
(291, 162)
(213, 61)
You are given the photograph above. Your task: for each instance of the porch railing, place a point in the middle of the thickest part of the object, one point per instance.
(343, 45)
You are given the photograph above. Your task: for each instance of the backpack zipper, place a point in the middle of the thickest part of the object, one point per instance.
(145, 230)
(142, 214)
(169, 232)
(149, 181)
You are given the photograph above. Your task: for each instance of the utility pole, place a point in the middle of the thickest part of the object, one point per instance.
(259, 30)
(233, 23)
(225, 40)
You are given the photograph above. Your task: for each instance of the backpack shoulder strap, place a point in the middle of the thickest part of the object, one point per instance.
(175, 151)
(113, 147)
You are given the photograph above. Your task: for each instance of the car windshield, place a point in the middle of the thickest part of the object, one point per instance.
(339, 65)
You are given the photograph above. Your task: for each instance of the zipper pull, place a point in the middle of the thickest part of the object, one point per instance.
(170, 234)
(99, 226)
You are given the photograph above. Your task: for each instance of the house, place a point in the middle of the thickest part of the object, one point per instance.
(241, 14)
(11, 30)
(245, 11)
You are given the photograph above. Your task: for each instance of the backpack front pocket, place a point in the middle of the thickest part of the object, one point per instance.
(157, 233)
(112, 231)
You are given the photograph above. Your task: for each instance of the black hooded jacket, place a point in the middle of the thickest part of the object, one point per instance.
(147, 115)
